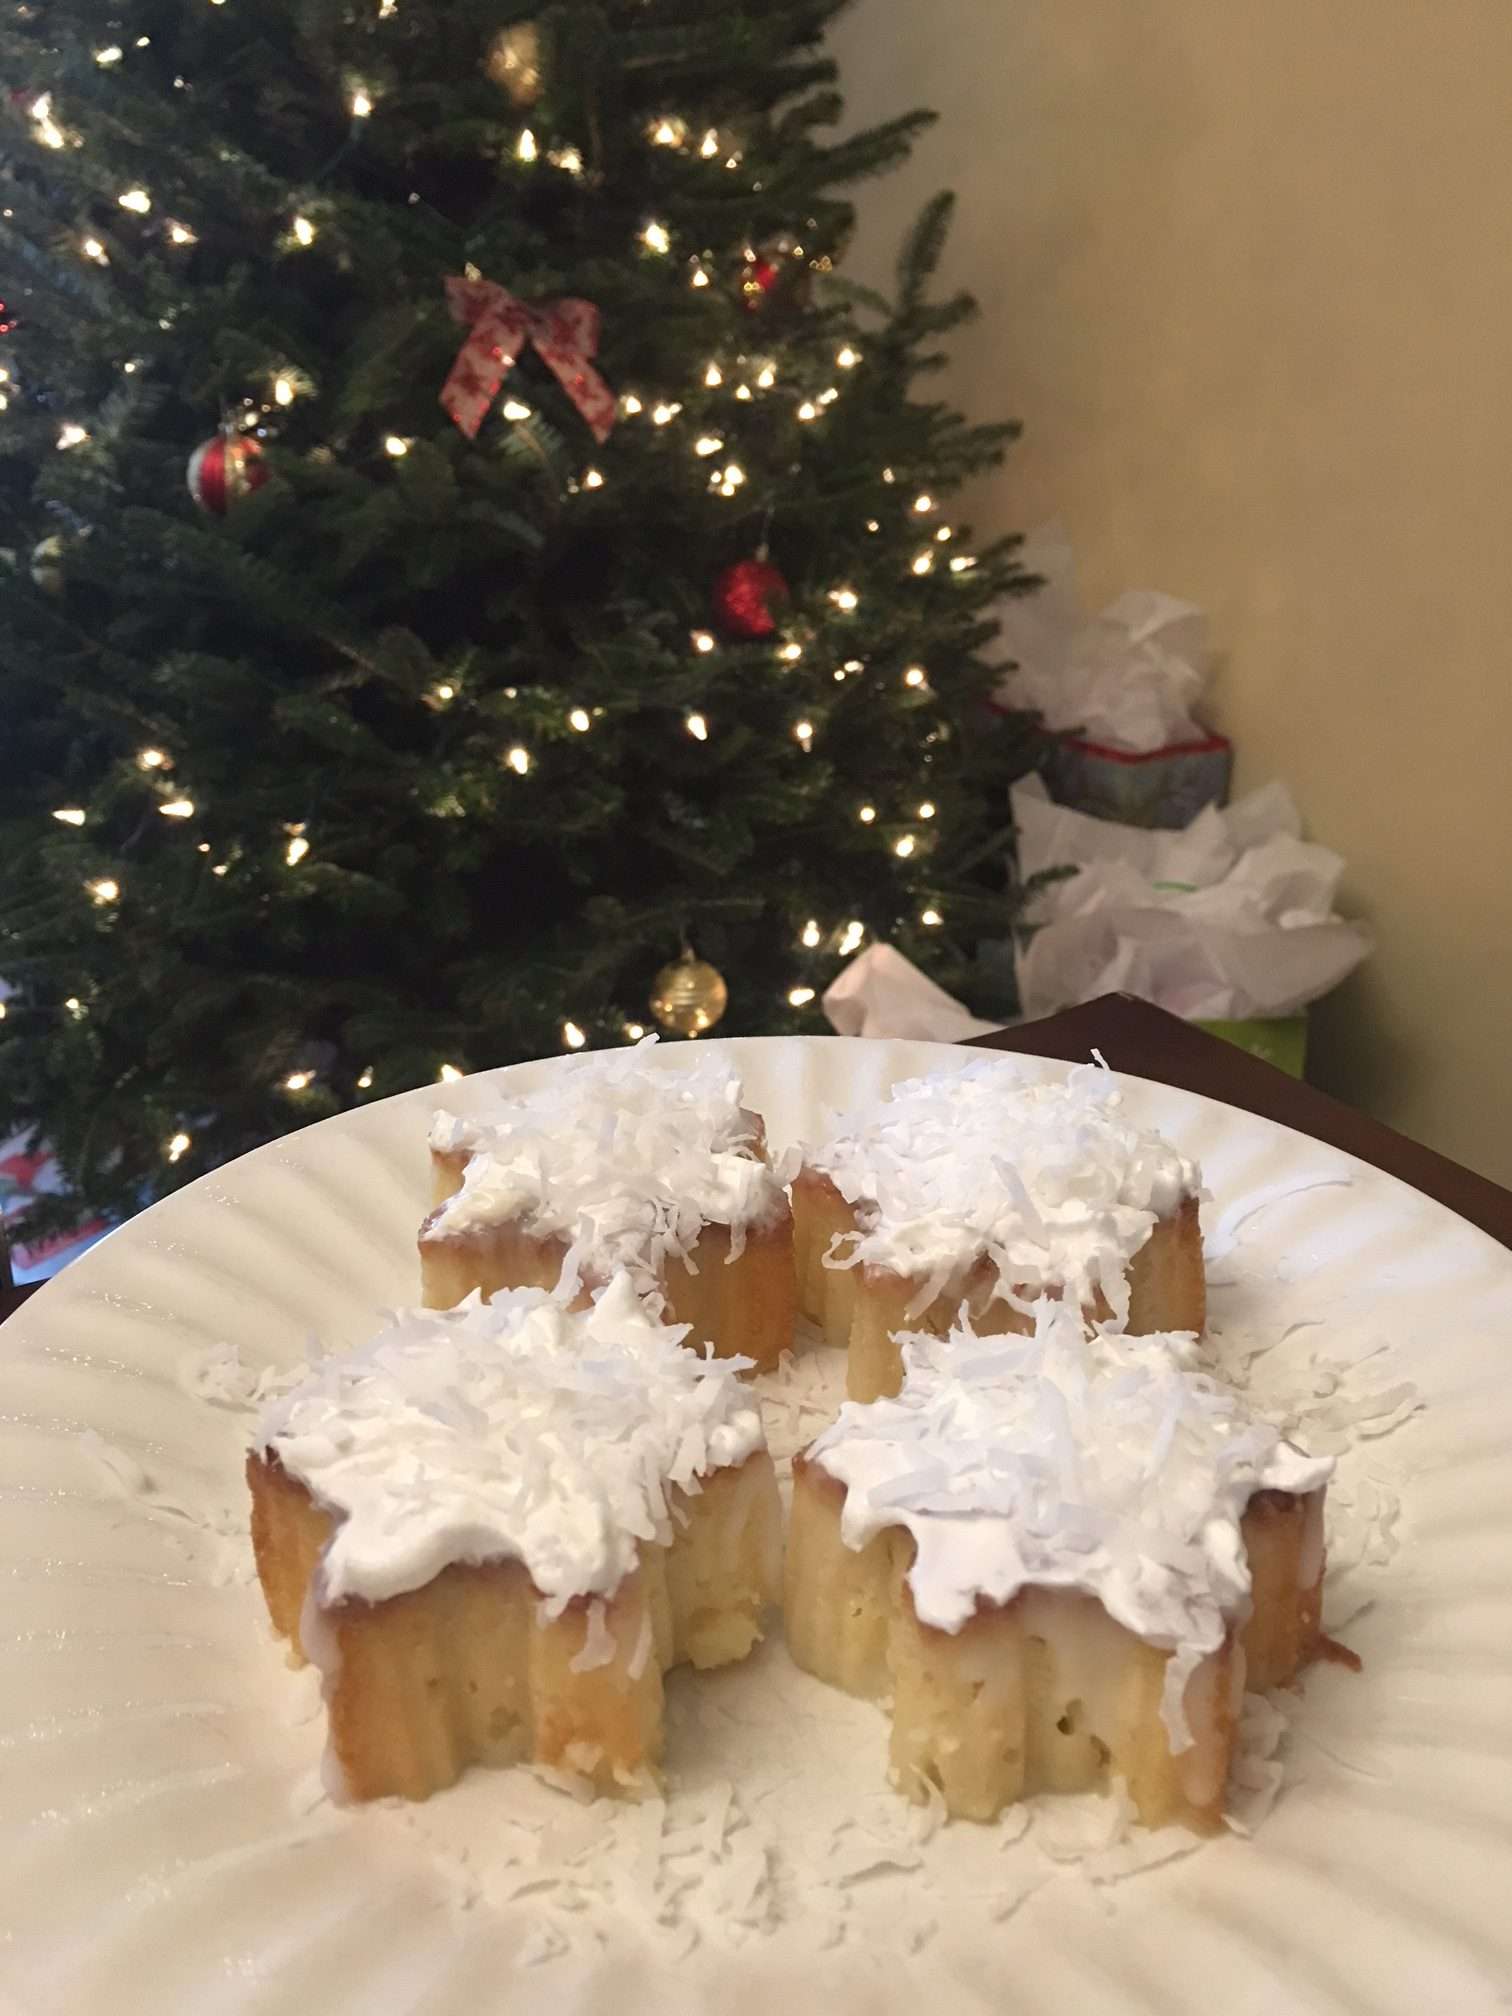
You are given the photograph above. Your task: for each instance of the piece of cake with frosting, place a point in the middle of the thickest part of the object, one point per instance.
(1063, 1557)
(494, 1528)
(619, 1163)
(979, 1187)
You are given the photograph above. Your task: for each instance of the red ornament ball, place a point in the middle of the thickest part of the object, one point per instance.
(223, 470)
(775, 275)
(744, 595)
(757, 279)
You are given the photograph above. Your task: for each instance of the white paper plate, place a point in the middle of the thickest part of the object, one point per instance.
(163, 1846)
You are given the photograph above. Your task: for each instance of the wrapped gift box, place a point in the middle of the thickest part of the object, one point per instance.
(1156, 787)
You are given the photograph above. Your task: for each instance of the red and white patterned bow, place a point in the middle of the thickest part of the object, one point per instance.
(565, 334)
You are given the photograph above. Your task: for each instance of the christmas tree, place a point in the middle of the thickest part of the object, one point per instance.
(563, 614)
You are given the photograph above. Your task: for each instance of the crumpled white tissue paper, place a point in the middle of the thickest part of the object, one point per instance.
(882, 993)
(1128, 678)
(1232, 917)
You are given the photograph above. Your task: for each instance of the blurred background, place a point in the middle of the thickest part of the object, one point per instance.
(1243, 274)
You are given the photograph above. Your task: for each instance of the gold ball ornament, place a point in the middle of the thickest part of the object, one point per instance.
(689, 996)
(513, 62)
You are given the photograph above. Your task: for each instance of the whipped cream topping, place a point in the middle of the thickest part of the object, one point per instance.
(510, 1429)
(1100, 1463)
(1048, 1182)
(624, 1160)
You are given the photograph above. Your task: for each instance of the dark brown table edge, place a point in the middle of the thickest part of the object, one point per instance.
(1148, 1042)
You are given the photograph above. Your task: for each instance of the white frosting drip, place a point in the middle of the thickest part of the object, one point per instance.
(508, 1430)
(1105, 1464)
(1045, 1181)
(625, 1162)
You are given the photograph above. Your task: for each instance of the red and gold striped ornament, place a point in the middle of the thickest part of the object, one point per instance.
(223, 470)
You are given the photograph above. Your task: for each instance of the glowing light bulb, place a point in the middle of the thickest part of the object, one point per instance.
(303, 230)
(766, 377)
(135, 200)
(829, 395)
(808, 410)
(734, 476)
(105, 57)
(180, 234)
(697, 727)
(525, 146)
(362, 104)
(364, 1083)
(93, 249)
(810, 935)
(847, 358)
(395, 445)
(850, 938)
(580, 719)
(927, 809)
(924, 502)
(656, 237)
(854, 665)
(518, 759)
(443, 691)
(742, 392)
(707, 444)
(708, 147)
(867, 814)
(572, 1036)
(283, 391)
(177, 808)
(930, 917)
(844, 598)
(221, 868)
(703, 640)
(176, 1147)
(713, 375)
(296, 850)
(71, 815)
(568, 159)
(698, 277)
(104, 889)
(872, 525)
(630, 404)
(790, 652)
(888, 476)
(904, 846)
(48, 131)
(448, 1074)
(803, 733)
(667, 132)
(915, 676)
(153, 759)
(593, 479)
(634, 1031)
(70, 434)
(75, 1007)
(799, 997)
(664, 411)
(516, 409)
(923, 563)
(961, 562)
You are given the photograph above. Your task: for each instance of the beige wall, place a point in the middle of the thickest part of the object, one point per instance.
(1246, 273)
